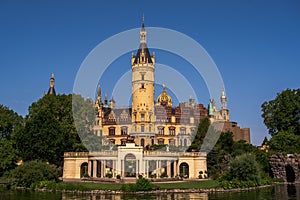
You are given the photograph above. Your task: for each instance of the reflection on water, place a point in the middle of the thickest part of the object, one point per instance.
(282, 192)
(170, 196)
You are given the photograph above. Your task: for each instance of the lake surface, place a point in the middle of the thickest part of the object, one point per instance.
(280, 192)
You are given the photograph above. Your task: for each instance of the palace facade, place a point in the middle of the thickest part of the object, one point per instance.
(148, 122)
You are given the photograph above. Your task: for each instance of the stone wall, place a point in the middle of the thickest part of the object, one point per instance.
(285, 167)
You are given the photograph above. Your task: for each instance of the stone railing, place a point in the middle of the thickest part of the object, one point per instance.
(76, 154)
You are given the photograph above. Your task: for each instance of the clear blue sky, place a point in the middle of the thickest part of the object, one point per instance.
(255, 45)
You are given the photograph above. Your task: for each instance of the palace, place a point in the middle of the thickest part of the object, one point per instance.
(148, 122)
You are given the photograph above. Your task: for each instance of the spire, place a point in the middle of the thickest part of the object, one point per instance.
(164, 89)
(143, 54)
(143, 32)
(143, 23)
(223, 99)
(51, 89)
(99, 92)
(99, 100)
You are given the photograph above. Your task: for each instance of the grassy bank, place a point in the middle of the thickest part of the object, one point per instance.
(89, 186)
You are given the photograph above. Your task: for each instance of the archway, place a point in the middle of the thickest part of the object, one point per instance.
(84, 170)
(290, 174)
(184, 170)
(130, 165)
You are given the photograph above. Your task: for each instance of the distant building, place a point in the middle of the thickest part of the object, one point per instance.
(147, 122)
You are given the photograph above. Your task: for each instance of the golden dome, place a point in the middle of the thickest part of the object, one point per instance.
(164, 99)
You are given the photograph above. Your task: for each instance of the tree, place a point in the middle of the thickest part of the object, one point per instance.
(283, 113)
(8, 156)
(285, 142)
(33, 172)
(200, 134)
(245, 168)
(9, 122)
(49, 129)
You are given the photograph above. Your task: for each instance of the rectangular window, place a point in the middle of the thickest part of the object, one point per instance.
(142, 117)
(143, 77)
(142, 129)
(183, 131)
(111, 131)
(172, 131)
(124, 130)
(160, 130)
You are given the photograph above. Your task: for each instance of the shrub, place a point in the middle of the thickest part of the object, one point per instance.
(108, 175)
(33, 172)
(143, 184)
(245, 168)
(118, 176)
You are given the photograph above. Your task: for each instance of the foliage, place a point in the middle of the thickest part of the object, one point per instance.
(226, 149)
(33, 172)
(143, 184)
(8, 156)
(285, 142)
(283, 113)
(9, 122)
(203, 184)
(199, 135)
(245, 168)
(49, 129)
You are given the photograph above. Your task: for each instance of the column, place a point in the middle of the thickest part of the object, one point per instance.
(94, 168)
(102, 169)
(158, 168)
(90, 168)
(122, 168)
(169, 169)
(136, 168)
(146, 168)
(175, 168)
(114, 168)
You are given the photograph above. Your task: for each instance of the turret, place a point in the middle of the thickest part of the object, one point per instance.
(51, 89)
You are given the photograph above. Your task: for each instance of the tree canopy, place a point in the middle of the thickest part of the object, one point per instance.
(9, 122)
(283, 113)
(49, 129)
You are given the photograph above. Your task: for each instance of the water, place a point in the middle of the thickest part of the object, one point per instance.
(280, 192)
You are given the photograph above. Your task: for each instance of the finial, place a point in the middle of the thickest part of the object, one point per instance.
(143, 21)
(52, 76)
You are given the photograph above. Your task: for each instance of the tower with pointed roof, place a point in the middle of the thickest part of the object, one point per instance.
(143, 67)
(51, 88)
(224, 110)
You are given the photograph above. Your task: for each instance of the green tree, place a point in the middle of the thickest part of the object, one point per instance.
(285, 142)
(49, 129)
(283, 113)
(8, 156)
(245, 168)
(200, 134)
(9, 122)
(33, 172)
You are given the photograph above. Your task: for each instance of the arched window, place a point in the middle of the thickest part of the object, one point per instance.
(184, 170)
